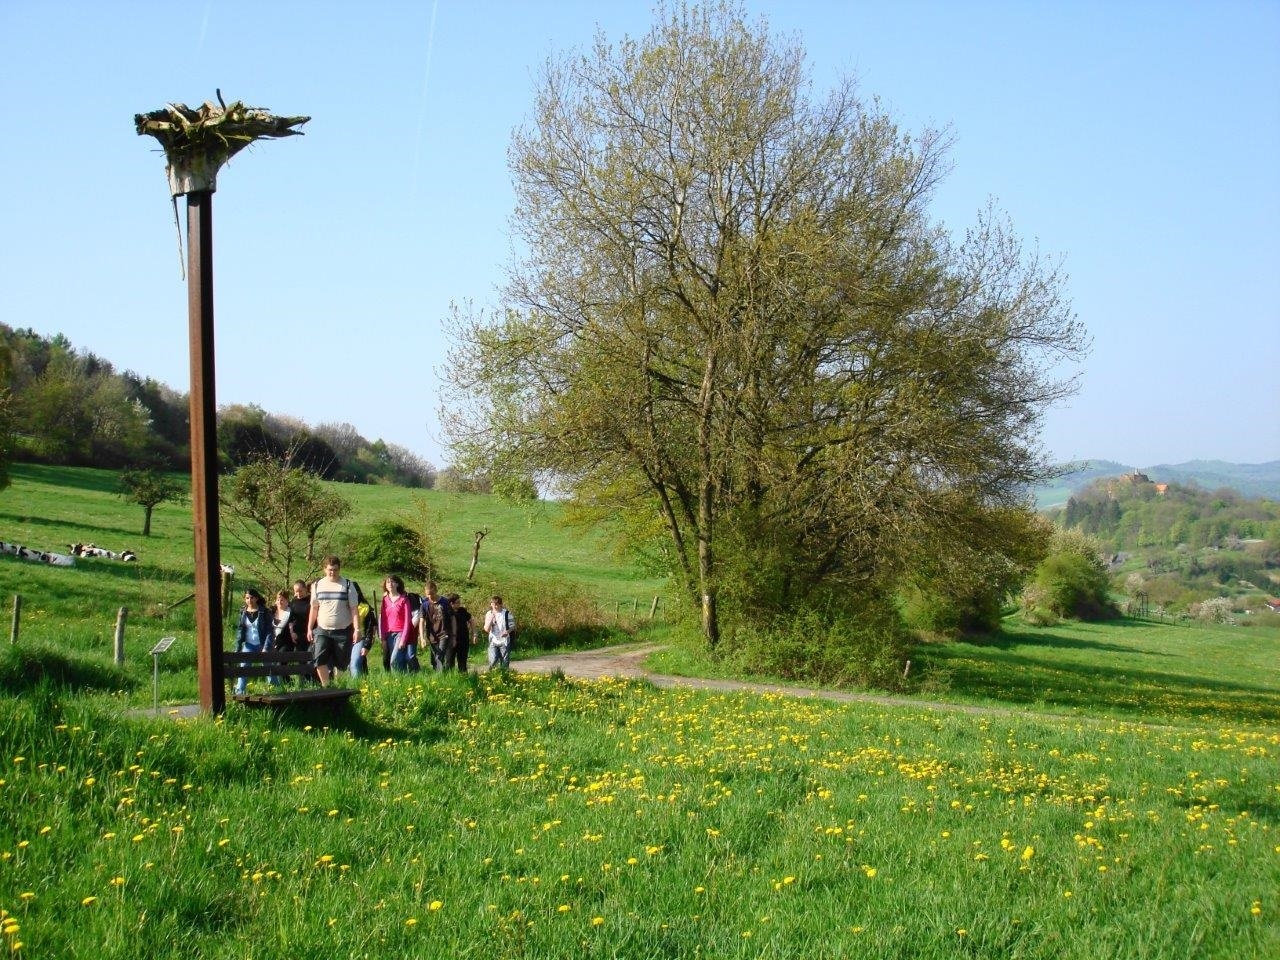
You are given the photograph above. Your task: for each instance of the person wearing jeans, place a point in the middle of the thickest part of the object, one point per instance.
(254, 633)
(396, 624)
(501, 628)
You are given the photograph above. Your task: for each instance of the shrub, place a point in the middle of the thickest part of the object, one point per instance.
(867, 649)
(1214, 610)
(1072, 580)
(392, 547)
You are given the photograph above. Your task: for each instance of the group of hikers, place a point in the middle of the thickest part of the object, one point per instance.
(334, 621)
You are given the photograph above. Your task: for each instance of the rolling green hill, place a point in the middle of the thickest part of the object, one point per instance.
(1247, 479)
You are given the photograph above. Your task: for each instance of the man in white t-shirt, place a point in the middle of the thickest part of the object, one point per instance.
(333, 617)
(500, 625)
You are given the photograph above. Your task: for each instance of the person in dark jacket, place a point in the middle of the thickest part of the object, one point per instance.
(461, 631)
(254, 632)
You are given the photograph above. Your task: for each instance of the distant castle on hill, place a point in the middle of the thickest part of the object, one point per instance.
(1135, 479)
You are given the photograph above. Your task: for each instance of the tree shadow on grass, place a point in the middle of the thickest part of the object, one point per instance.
(26, 668)
(1007, 640)
(131, 534)
(1013, 678)
(79, 478)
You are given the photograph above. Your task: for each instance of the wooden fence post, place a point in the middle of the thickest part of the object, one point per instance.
(17, 615)
(653, 610)
(226, 594)
(121, 617)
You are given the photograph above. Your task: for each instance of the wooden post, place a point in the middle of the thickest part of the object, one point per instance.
(226, 591)
(17, 616)
(121, 617)
(653, 610)
(204, 452)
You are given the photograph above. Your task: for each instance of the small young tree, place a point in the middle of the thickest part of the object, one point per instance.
(278, 511)
(148, 489)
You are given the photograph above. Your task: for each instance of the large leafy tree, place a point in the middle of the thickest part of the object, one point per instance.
(734, 323)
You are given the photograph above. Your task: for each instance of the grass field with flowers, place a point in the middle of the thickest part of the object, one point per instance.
(526, 816)
(516, 815)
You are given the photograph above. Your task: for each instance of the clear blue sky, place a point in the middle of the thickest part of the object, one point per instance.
(1140, 141)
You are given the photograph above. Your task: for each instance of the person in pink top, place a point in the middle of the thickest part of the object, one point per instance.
(396, 623)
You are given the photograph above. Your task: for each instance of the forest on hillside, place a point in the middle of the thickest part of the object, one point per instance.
(69, 407)
(1179, 547)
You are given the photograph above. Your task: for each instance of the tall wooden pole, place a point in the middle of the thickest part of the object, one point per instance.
(204, 452)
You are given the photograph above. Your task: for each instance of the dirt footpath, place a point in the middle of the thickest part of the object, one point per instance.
(627, 660)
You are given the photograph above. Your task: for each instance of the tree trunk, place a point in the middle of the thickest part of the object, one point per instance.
(706, 504)
(146, 522)
(475, 553)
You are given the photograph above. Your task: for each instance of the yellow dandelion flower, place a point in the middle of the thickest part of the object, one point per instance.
(435, 905)
(563, 908)
(88, 901)
(117, 881)
(597, 921)
(27, 896)
(1256, 909)
(411, 922)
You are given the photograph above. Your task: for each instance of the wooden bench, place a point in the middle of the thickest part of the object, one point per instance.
(282, 663)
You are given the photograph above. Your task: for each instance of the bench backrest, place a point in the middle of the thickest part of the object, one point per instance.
(267, 663)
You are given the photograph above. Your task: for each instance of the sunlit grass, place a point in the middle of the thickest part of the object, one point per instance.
(533, 816)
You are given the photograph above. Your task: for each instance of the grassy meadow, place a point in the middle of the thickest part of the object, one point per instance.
(1165, 672)
(1089, 791)
(529, 556)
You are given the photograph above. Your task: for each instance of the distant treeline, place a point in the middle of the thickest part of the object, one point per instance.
(1127, 515)
(72, 408)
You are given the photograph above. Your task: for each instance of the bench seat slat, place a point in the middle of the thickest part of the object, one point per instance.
(281, 663)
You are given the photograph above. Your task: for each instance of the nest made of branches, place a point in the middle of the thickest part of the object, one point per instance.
(198, 141)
